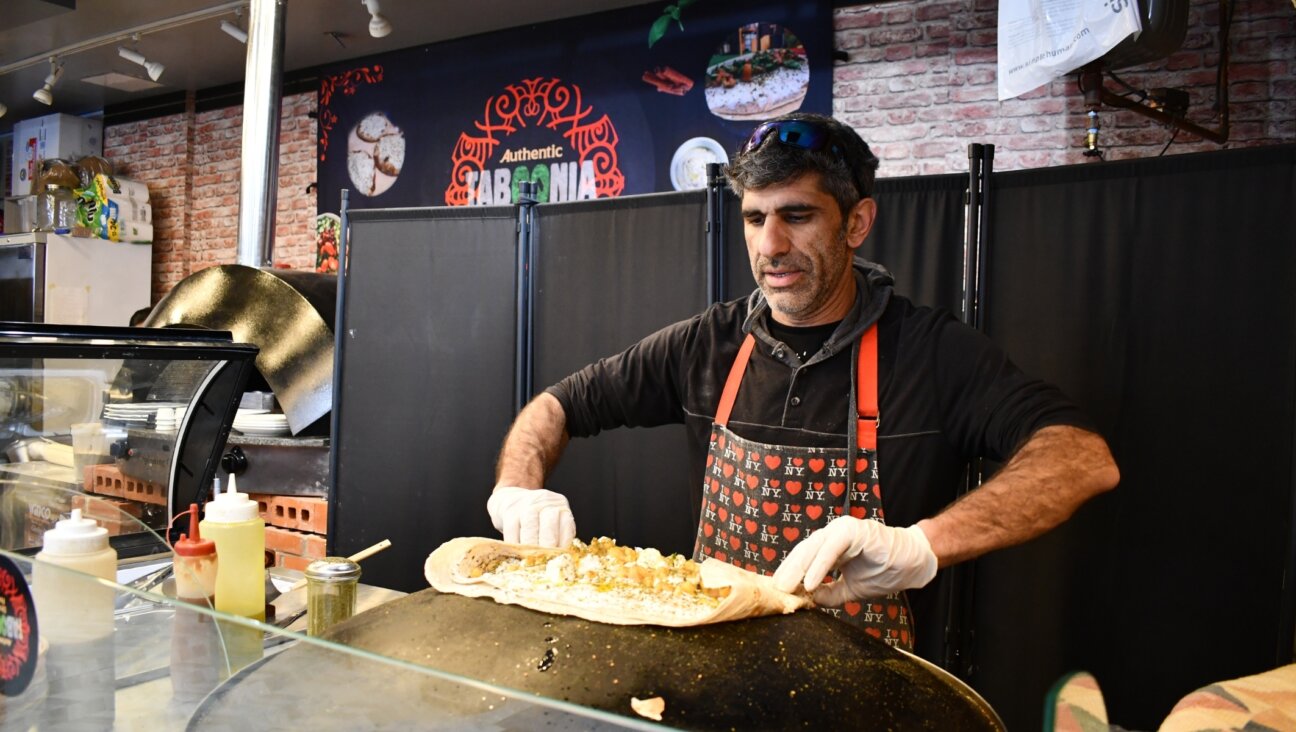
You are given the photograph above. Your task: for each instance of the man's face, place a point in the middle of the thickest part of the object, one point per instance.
(800, 252)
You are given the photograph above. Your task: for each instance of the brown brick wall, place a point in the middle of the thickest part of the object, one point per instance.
(920, 85)
(191, 165)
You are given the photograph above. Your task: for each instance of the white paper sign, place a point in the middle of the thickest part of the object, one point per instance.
(1040, 40)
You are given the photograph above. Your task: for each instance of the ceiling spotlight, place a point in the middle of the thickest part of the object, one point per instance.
(234, 31)
(154, 68)
(378, 25)
(45, 94)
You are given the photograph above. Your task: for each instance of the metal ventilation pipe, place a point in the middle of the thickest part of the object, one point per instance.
(259, 180)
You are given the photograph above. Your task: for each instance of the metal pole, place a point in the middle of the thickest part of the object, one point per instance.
(339, 341)
(983, 237)
(960, 623)
(258, 190)
(523, 344)
(716, 245)
(971, 246)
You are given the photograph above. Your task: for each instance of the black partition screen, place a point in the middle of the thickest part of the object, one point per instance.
(918, 236)
(1161, 294)
(427, 373)
(608, 273)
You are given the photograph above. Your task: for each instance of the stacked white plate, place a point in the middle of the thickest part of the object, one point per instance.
(260, 423)
(138, 413)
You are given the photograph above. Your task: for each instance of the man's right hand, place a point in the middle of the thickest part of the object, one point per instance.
(532, 516)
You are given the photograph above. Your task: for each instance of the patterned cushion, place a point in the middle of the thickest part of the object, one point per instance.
(1262, 703)
(1075, 704)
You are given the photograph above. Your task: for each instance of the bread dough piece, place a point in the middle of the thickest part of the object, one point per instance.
(372, 127)
(360, 165)
(391, 153)
(465, 566)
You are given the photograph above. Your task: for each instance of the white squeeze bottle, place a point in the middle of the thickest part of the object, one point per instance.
(76, 618)
(233, 521)
(73, 608)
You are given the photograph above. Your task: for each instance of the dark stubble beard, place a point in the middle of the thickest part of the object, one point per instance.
(831, 265)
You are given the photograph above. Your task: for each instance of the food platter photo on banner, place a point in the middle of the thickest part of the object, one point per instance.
(618, 103)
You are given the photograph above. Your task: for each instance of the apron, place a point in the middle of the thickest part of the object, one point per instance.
(759, 500)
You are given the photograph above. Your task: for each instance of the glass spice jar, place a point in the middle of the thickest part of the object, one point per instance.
(330, 592)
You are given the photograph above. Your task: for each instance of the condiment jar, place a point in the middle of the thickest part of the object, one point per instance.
(330, 592)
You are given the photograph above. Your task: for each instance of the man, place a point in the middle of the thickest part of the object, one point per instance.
(830, 418)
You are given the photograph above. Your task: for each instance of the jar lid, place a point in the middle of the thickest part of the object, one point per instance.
(333, 569)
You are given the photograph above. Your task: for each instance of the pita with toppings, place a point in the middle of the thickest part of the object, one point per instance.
(606, 583)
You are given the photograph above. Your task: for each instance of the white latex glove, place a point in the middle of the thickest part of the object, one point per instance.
(532, 516)
(875, 560)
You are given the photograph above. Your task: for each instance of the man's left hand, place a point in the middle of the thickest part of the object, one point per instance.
(875, 560)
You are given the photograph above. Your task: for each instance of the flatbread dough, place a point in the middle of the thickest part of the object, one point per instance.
(460, 566)
(373, 127)
(391, 153)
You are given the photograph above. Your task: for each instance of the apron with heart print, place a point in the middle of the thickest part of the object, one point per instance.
(759, 500)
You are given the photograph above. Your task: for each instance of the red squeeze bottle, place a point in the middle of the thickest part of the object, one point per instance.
(196, 658)
(195, 564)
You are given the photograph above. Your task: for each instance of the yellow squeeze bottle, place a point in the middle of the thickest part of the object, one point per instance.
(233, 522)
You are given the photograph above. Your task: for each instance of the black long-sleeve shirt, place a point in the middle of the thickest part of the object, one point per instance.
(946, 394)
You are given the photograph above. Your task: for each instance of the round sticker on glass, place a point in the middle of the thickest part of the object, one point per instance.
(18, 638)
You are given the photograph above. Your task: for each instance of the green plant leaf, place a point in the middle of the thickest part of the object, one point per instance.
(658, 30)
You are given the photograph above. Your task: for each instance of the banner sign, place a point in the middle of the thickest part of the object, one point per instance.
(583, 108)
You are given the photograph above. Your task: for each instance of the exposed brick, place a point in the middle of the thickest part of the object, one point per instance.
(285, 540)
(1045, 126)
(899, 15)
(857, 19)
(108, 480)
(937, 11)
(892, 36)
(967, 56)
(100, 507)
(292, 561)
(191, 164)
(293, 512)
(928, 50)
(316, 546)
(898, 53)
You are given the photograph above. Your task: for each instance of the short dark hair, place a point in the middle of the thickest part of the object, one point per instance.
(846, 167)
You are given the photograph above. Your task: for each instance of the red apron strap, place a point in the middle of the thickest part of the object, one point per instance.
(736, 371)
(866, 390)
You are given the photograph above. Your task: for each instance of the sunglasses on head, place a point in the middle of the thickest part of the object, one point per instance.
(804, 134)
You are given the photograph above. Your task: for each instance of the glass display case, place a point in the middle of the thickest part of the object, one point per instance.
(83, 653)
(122, 429)
(117, 422)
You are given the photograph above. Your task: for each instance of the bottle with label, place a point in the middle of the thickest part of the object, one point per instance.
(75, 612)
(233, 521)
(197, 665)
